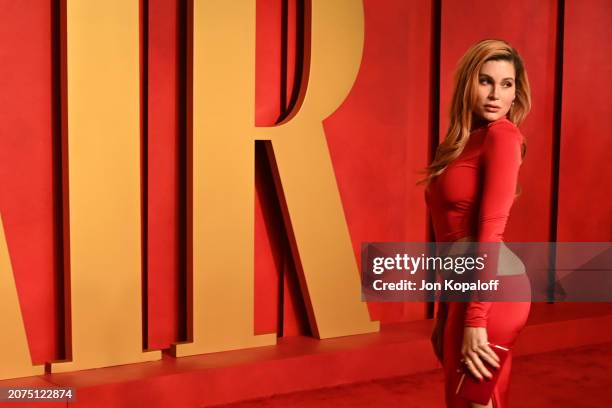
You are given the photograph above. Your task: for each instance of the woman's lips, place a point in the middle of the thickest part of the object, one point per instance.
(491, 108)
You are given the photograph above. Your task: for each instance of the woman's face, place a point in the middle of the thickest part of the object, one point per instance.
(496, 90)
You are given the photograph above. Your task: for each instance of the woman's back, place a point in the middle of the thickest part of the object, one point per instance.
(474, 194)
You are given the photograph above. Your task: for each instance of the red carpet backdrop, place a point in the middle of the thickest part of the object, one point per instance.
(114, 131)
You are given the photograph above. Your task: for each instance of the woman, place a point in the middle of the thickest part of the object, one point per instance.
(471, 187)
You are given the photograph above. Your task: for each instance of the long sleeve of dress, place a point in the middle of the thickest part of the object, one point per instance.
(501, 159)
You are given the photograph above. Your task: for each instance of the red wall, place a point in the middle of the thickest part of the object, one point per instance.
(379, 138)
(165, 141)
(29, 170)
(584, 198)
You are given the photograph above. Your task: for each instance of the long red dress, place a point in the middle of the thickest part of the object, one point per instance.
(473, 197)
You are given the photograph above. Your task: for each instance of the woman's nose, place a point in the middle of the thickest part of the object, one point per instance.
(494, 94)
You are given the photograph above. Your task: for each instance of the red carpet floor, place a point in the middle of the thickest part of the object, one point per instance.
(391, 368)
(577, 378)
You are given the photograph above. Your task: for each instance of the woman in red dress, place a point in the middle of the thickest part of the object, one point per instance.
(471, 186)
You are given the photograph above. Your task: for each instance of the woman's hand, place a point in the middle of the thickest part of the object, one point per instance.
(475, 350)
(437, 339)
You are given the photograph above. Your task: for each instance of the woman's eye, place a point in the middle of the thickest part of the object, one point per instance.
(508, 84)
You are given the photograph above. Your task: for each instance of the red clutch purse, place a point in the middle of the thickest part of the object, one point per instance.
(470, 388)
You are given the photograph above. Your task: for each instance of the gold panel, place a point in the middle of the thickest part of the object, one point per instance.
(223, 178)
(15, 360)
(104, 207)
